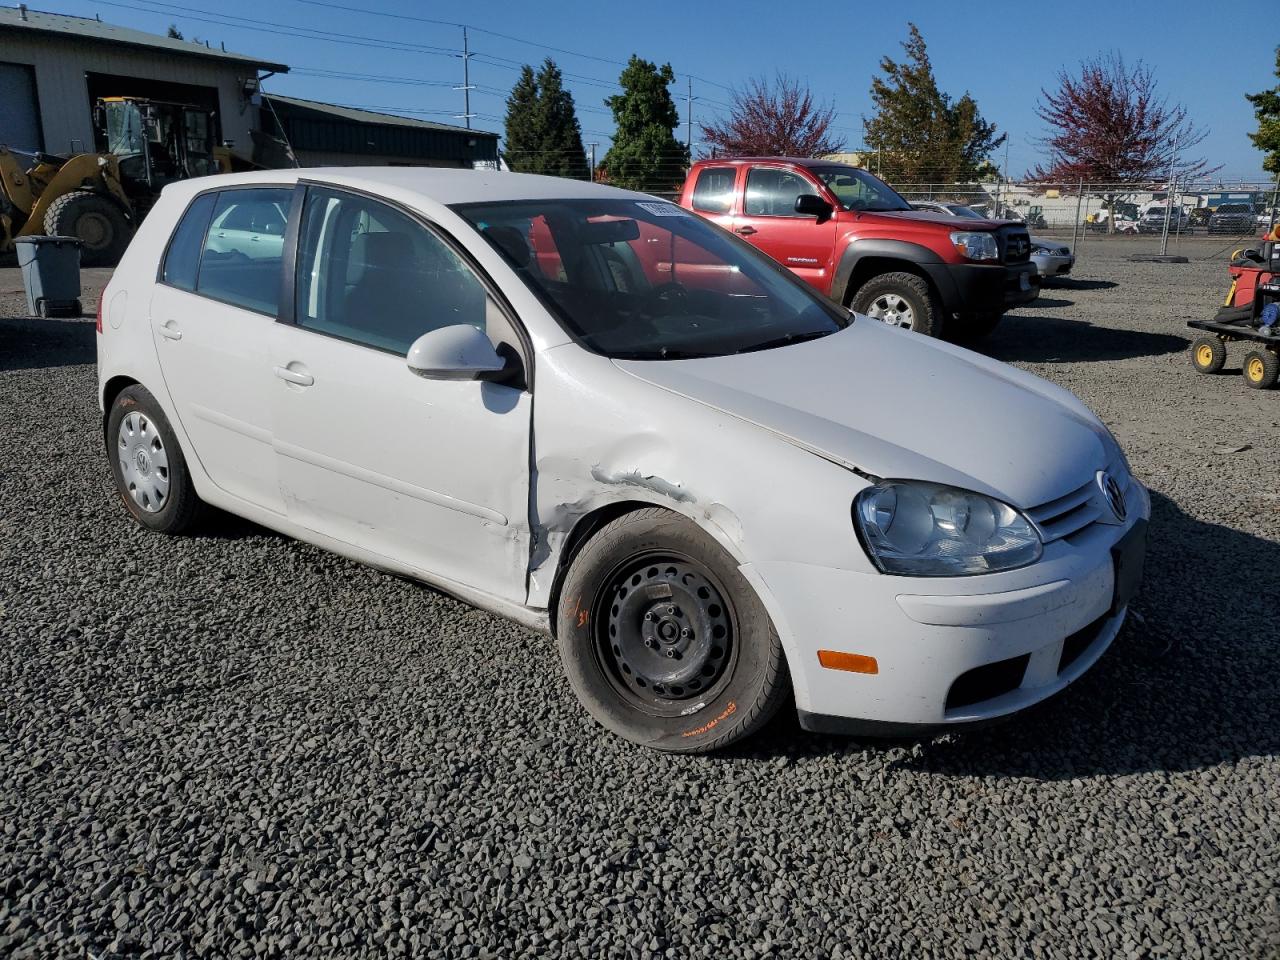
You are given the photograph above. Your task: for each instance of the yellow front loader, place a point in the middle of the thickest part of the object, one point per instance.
(81, 197)
(100, 198)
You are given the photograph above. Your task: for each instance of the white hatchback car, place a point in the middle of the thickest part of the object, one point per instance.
(597, 414)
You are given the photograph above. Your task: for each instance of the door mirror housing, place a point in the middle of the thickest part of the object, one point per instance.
(812, 205)
(456, 352)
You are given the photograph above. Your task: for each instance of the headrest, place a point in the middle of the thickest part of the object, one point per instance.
(511, 242)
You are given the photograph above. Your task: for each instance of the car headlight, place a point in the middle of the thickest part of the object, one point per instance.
(976, 246)
(1040, 248)
(920, 529)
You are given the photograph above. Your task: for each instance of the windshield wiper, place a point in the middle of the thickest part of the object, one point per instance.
(785, 341)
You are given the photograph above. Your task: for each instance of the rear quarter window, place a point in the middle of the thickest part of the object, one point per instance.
(713, 190)
(182, 261)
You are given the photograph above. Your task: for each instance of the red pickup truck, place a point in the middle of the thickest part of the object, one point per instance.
(850, 235)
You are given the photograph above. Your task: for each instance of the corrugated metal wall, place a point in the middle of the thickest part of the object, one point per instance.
(66, 114)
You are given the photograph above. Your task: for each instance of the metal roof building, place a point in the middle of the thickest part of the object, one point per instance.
(53, 68)
(325, 134)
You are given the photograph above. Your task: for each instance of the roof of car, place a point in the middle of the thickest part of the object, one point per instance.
(443, 185)
(797, 161)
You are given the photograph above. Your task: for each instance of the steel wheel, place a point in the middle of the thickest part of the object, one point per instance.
(144, 462)
(893, 309)
(665, 633)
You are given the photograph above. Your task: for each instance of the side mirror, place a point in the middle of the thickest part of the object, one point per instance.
(812, 205)
(456, 352)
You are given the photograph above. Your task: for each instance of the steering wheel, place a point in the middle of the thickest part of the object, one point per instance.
(666, 297)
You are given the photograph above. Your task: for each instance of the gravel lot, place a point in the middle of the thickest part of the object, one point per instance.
(237, 745)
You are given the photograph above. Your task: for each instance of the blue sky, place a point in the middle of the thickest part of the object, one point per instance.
(1002, 53)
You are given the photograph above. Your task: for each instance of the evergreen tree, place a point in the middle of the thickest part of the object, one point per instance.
(1266, 106)
(921, 135)
(645, 154)
(560, 143)
(521, 146)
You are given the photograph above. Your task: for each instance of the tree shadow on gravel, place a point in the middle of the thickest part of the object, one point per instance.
(30, 342)
(1039, 339)
(1192, 684)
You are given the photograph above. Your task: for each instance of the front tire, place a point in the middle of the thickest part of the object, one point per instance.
(98, 223)
(901, 300)
(148, 465)
(664, 641)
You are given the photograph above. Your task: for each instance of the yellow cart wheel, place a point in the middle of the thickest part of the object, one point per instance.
(1208, 354)
(1261, 369)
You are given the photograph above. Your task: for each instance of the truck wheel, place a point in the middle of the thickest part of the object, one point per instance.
(1208, 354)
(1261, 369)
(900, 300)
(663, 640)
(96, 221)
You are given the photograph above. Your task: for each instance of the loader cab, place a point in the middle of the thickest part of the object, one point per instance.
(156, 142)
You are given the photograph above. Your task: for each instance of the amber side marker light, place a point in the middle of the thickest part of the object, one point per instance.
(853, 662)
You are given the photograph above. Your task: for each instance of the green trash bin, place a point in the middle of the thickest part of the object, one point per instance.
(50, 275)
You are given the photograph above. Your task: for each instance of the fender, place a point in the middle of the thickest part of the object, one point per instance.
(885, 247)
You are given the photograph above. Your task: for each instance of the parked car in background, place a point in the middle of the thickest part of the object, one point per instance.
(729, 490)
(1052, 258)
(1153, 220)
(1233, 218)
(849, 235)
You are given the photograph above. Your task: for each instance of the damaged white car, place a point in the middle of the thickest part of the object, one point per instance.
(592, 412)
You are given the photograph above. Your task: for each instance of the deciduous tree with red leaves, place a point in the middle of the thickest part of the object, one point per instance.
(1109, 125)
(778, 119)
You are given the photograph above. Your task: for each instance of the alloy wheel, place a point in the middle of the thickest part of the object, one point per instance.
(893, 309)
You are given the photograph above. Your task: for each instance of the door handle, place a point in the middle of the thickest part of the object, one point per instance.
(292, 376)
(745, 231)
(169, 331)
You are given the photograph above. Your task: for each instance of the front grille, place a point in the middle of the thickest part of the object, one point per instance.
(988, 681)
(1076, 510)
(1017, 246)
(1080, 641)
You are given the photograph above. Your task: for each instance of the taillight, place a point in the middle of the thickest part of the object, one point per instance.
(101, 300)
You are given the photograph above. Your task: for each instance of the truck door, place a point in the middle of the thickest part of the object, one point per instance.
(769, 221)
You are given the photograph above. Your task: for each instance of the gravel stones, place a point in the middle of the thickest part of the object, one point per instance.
(234, 745)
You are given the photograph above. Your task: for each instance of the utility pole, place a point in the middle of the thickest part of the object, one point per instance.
(466, 87)
(688, 141)
(592, 145)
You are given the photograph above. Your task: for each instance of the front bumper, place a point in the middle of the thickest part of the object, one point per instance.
(1053, 264)
(949, 651)
(970, 290)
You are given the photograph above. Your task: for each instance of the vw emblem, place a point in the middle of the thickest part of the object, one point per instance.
(1115, 496)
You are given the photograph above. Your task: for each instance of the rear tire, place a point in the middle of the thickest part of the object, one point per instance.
(1261, 369)
(1208, 354)
(900, 299)
(664, 641)
(98, 223)
(148, 465)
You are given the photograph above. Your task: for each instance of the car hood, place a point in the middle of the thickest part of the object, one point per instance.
(891, 403)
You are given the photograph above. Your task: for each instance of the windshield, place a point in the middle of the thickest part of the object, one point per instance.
(647, 280)
(858, 190)
(124, 129)
(959, 210)
(1234, 208)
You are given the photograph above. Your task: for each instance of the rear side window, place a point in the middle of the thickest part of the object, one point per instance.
(182, 262)
(713, 191)
(772, 192)
(244, 247)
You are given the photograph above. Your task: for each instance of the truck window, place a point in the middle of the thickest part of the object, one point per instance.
(713, 191)
(772, 192)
